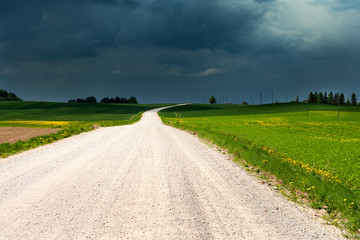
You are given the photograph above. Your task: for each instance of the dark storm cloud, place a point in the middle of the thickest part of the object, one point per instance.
(199, 24)
(42, 29)
(216, 46)
(129, 3)
(264, 1)
(72, 29)
(51, 30)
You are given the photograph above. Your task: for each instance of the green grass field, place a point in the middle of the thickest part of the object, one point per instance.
(315, 154)
(72, 118)
(51, 111)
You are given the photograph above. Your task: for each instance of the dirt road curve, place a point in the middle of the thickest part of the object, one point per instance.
(143, 181)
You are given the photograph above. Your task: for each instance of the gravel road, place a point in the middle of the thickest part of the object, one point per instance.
(142, 181)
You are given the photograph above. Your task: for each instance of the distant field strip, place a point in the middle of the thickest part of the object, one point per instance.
(317, 154)
(71, 118)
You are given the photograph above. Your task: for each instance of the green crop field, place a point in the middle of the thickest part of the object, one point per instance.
(72, 118)
(50, 111)
(311, 152)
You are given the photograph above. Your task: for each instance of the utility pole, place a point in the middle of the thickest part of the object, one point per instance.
(260, 98)
(272, 96)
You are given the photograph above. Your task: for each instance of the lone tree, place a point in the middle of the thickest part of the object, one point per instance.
(212, 100)
(353, 99)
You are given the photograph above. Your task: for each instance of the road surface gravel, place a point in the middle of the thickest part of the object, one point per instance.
(141, 181)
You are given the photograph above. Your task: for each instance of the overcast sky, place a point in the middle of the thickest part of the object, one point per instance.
(179, 50)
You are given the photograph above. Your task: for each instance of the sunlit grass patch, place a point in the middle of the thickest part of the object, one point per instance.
(314, 152)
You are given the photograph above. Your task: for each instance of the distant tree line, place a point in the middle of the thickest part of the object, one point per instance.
(5, 96)
(131, 100)
(331, 98)
(212, 100)
(92, 99)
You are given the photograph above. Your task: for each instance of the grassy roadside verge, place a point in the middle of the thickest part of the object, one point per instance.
(68, 130)
(243, 131)
(72, 118)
